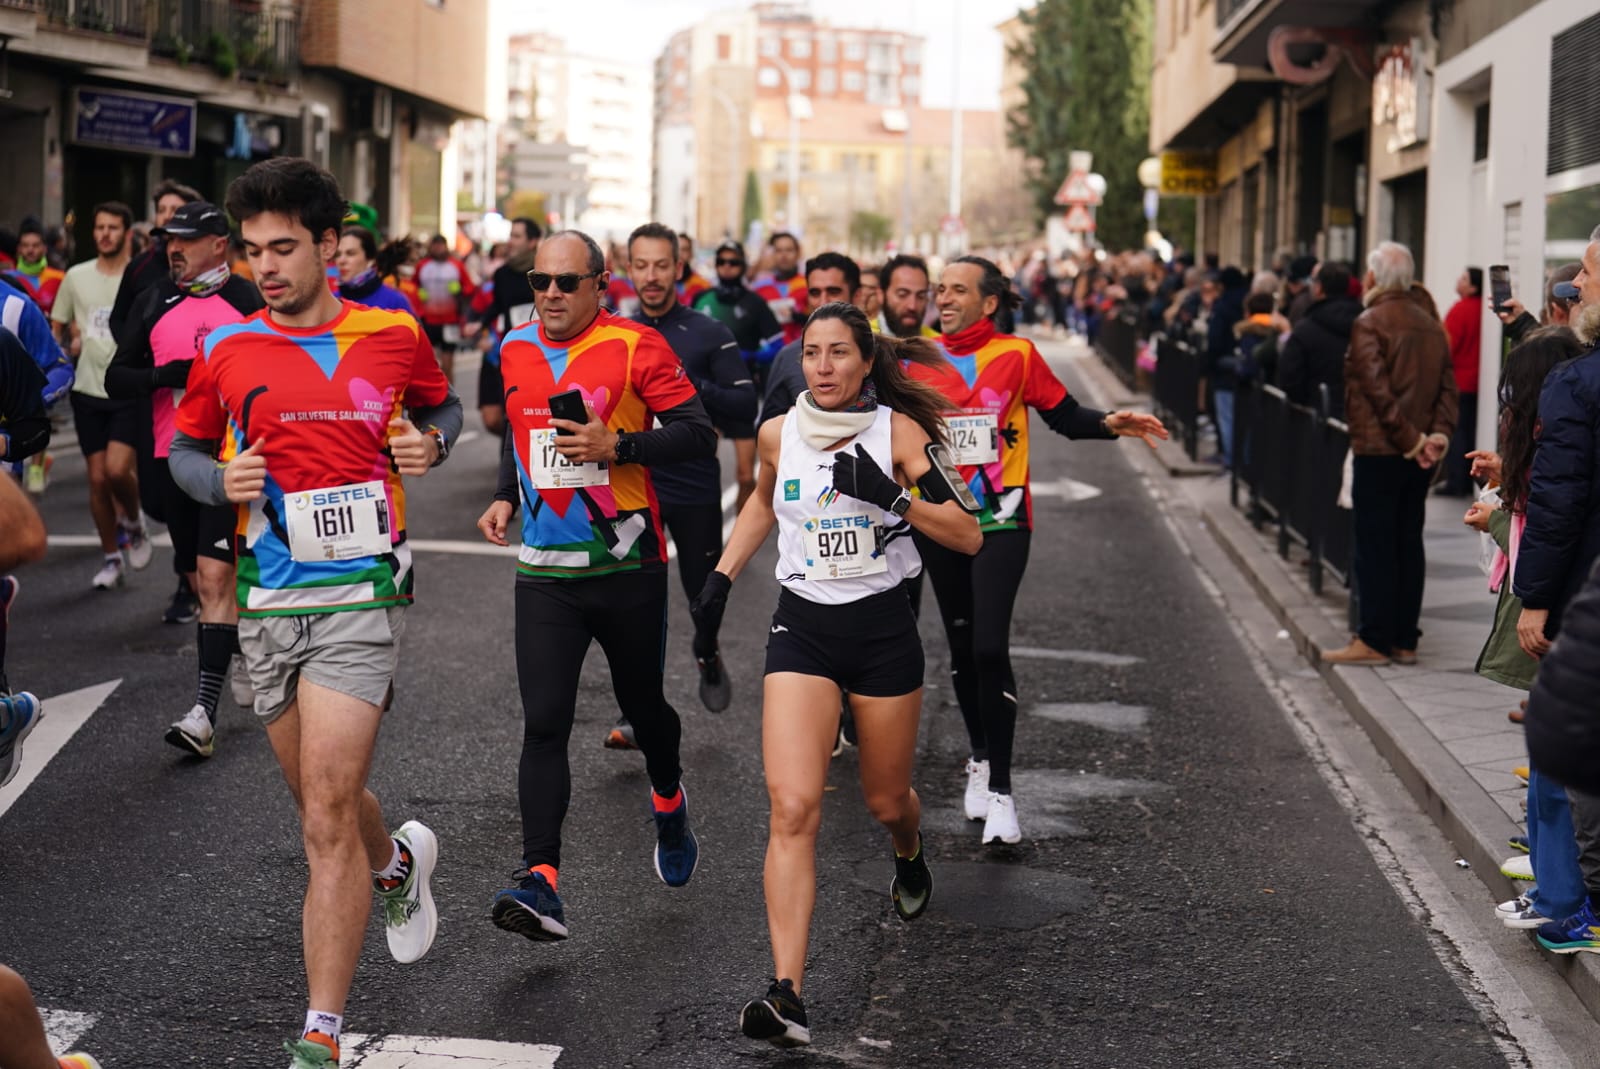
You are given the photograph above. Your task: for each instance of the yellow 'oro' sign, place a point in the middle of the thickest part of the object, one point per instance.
(1188, 174)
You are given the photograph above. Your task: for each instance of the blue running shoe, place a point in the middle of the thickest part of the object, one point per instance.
(18, 714)
(1579, 932)
(531, 909)
(677, 850)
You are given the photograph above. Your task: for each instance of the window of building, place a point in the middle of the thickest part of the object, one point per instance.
(800, 80)
(852, 81)
(800, 47)
(724, 46)
(912, 53)
(827, 81)
(911, 85)
(827, 48)
(854, 49)
(1480, 132)
(770, 46)
(881, 88)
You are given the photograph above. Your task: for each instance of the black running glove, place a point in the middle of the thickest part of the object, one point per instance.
(859, 476)
(174, 375)
(712, 601)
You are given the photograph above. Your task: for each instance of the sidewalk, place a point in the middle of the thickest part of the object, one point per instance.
(1441, 727)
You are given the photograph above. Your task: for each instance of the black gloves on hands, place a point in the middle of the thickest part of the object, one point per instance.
(174, 375)
(859, 476)
(712, 601)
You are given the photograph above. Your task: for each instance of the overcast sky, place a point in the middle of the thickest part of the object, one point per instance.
(636, 30)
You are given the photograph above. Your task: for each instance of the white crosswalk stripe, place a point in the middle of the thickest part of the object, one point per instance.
(62, 716)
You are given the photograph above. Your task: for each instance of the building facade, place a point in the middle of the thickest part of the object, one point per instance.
(102, 101)
(579, 131)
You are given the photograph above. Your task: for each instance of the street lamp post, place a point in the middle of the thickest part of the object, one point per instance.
(792, 202)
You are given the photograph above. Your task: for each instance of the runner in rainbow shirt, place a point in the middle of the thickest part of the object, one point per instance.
(991, 382)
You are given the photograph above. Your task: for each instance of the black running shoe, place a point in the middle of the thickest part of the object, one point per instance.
(912, 885)
(185, 607)
(715, 691)
(779, 1018)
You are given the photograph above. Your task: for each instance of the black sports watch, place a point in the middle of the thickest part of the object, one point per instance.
(902, 504)
(627, 448)
(440, 440)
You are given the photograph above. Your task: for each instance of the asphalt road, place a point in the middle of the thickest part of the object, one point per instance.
(1188, 891)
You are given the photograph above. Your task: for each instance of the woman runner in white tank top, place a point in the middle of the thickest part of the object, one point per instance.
(834, 476)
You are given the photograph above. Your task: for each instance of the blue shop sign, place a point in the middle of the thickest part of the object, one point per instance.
(136, 122)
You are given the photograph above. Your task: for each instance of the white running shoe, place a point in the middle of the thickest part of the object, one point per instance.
(139, 549)
(977, 800)
(244, 694)
(1518, 867)
(408, 911)
(1001, 822)
(109, 575)
(193, 733)
(1519, 912)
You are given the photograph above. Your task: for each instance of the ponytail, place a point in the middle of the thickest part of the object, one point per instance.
(394, 255)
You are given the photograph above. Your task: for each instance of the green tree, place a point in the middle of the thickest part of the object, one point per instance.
(870, 230)
(752, 211)
(1086, 83)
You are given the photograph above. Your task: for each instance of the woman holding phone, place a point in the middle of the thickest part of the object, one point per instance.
(834, 479)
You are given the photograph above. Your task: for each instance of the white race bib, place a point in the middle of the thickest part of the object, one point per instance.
(974, 438)
(338, 522)
(549, 470)
(783, 309)
(844, 547)
(452, 333)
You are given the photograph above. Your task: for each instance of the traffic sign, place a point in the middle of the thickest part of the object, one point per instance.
(952, 225)
(1077, 190)
(1078, 218)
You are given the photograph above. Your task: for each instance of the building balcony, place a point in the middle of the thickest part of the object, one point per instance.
(125, 19)
(257, 39)
(1244, 25)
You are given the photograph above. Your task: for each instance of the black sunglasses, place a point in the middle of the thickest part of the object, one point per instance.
(565, 283)
(730, 263)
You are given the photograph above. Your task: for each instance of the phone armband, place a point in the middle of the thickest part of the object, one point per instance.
(943, 481)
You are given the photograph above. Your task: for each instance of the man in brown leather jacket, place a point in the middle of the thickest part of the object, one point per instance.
(1400, 404)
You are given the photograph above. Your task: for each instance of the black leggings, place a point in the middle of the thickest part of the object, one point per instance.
(697, 532)
(627, 615)
(976, 596)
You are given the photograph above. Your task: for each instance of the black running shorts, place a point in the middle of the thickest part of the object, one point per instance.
(217, 524)
(868, 647)
(100, 421)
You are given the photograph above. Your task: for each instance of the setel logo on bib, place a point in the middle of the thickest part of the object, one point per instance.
(338, 522)
(843, 547)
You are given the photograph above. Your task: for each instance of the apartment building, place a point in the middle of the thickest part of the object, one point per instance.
(103, 99)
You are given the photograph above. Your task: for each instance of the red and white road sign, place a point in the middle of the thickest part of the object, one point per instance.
(1077, 190)
(1079, 218)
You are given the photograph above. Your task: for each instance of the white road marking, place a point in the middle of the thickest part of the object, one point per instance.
(63, 1028)
(77, 541)
(467, 436)
(429, 1052)
(1106, 660)
(1069, 490)
(62, 716)
(460, 547)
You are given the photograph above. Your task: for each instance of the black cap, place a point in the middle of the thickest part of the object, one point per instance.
(194, 220)
(1300, 268)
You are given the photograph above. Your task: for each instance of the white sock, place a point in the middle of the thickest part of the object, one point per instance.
(328, 1024)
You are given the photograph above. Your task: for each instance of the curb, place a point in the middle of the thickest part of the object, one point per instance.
(1461, 809)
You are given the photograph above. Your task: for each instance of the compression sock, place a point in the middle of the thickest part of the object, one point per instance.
(666, 803)
(398, 869)
(216, 650)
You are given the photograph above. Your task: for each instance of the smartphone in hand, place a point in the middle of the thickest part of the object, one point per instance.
(568, 405)
(1499, 286)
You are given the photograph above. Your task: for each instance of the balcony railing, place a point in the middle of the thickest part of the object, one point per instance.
(117, 18)
(256, 39)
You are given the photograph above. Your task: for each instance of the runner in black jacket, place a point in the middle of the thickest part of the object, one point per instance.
(690, 493)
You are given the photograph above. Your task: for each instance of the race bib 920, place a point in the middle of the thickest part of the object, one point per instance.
(549, 470)
(338, 522)
(843, 547)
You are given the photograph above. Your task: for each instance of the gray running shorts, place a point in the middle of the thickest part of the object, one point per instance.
(352, 652)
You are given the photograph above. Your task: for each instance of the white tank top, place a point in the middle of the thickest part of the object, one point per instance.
(833, 549)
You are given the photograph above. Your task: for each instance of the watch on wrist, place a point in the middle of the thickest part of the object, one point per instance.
(627, 448)
(440, 441)
(902, 504)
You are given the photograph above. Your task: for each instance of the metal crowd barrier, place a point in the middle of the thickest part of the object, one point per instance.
(1290, 463)
(1118, 342)
(1177, 390)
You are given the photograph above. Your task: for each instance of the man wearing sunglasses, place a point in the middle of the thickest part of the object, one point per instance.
(592, 565)
(755, 328)
(691, 492)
